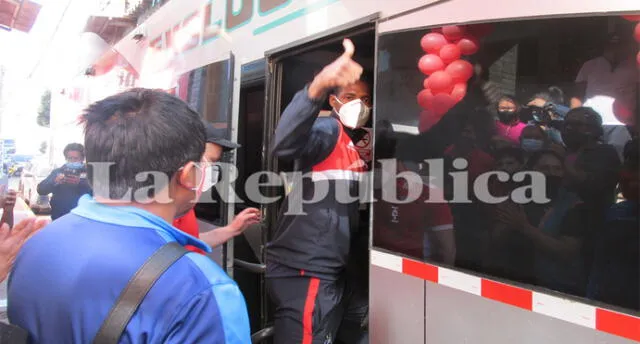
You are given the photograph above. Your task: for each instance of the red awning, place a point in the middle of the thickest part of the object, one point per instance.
(19, 14)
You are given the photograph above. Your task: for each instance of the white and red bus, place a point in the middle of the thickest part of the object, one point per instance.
(240, 62)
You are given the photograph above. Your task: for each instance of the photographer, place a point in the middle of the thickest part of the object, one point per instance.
(546, 109)
(67, 183)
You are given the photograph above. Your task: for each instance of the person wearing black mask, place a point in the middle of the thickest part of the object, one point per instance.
(508, 124)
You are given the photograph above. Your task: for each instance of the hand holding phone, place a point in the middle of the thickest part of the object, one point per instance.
(59, 178)
(71, 179)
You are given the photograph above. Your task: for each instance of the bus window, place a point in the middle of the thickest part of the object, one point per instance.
(532, 177)
(208, 91)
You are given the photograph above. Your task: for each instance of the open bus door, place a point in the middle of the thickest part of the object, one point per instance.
(287, 71)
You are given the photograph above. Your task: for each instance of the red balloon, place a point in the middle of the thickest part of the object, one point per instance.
(623, 112)
(430, 63)
(453, 32)
(440, 82)
(460, 70)
(432, 42)
(632, 17)
(459, 91)
(468, 45)
(449, 53)
(636, 33)
(638, 58)
(427, 120)
(480, 30)
(425, 99)
(442, 103)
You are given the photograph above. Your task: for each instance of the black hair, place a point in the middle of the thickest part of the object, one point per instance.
(553, 94)
(510, 98)
(364, 78)
(73, 147)
(535, 157)
(510, 152)
(141, 130)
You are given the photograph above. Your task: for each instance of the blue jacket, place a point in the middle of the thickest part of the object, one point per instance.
(64, 196)
(69, 275)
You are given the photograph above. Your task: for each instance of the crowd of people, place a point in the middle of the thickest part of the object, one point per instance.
(584, 241)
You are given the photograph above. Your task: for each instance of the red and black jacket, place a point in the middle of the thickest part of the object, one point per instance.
(318, 243)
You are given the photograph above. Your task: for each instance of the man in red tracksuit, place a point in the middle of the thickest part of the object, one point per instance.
(308, 255)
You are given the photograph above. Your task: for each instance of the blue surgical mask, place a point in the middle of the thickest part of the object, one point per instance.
(531, 145)
(75, 165)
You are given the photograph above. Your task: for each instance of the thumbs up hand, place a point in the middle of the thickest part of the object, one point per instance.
(341, 72)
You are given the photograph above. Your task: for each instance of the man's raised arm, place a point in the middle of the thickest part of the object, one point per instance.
(294, 136)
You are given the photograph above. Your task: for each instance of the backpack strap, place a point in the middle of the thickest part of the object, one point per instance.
(135, 291)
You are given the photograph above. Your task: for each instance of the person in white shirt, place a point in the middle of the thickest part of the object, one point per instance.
(605, 79)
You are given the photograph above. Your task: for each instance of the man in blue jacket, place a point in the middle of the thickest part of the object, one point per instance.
(145, 151)
(309, 254)
(67, 183)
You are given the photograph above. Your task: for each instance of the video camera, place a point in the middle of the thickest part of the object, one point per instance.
(550, 115)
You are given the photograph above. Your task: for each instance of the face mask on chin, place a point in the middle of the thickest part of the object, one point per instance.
(353, 114)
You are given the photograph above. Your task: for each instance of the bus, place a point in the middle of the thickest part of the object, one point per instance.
(570, 280)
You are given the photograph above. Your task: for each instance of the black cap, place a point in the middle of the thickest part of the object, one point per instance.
(216, 136)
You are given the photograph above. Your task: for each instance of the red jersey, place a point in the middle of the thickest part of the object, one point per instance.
(188, 223)
(405, 227)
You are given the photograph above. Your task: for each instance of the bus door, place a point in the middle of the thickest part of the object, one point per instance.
(247, 248)
(288, 70)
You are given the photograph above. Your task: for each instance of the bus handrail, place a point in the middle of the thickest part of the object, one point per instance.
(256, 268)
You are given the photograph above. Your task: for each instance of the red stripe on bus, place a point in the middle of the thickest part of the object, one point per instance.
(619, 324)
(421, 270)
(309, 305)
(507, 294)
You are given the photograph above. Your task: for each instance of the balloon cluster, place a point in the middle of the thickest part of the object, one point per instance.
(447, 73)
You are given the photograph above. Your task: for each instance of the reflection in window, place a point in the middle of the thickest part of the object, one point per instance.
(535, 170)
(208, 91)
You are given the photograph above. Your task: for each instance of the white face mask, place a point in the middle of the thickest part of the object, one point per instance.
(353, 114)
(209, 178)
